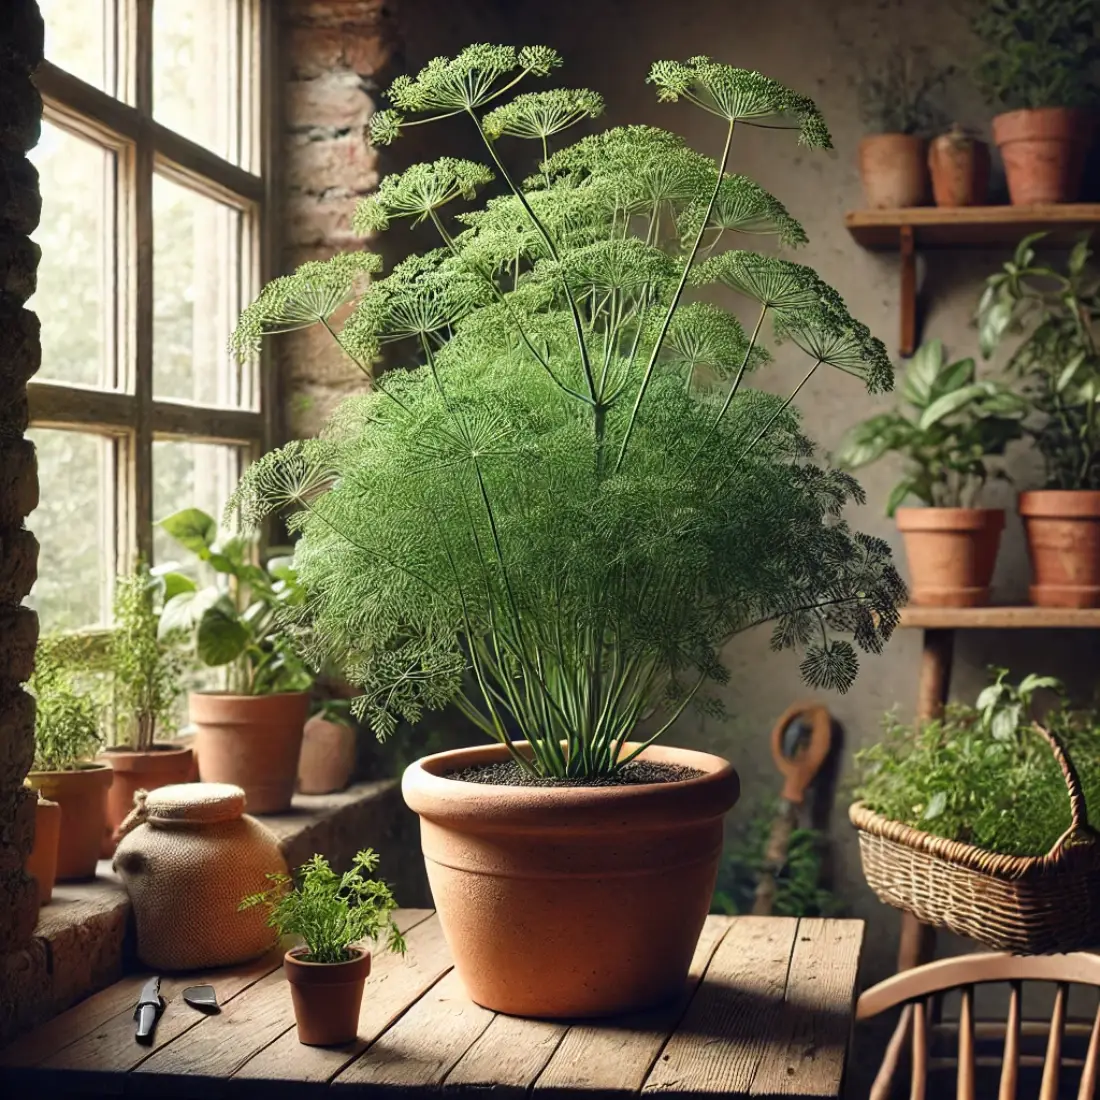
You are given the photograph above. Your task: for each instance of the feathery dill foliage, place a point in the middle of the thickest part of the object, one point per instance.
(561, 514)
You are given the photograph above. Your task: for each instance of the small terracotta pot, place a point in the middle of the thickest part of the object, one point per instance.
(959, 166)
(82, 796)
(162, 766)
(253, 742)
(327, 996)
(951, 553)
(328, 756)
(1044, 153)
(1063, 541)
(894, 170)
(571, 901)
(42, 862)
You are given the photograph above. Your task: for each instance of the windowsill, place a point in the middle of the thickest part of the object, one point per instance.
(84, 937)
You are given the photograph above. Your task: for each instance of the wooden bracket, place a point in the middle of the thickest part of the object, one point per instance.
(908, 338)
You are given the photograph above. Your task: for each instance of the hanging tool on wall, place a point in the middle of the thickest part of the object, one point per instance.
(800, 743)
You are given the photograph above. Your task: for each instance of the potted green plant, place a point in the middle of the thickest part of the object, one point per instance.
(145, 671)
(1052, 315)
(332, 915)
(955, 423)
(329, 746)
(250, 734)
(959, 164)
(898, 105)
(561, 514)
(1038, 64)
(41, 863)
(965, 821)
(67, 725)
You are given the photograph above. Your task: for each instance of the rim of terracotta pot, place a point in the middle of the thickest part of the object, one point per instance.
(1021, 124)
(911, 139)
(432, 794)
(160, 753)
(103, 770)
(219, 702)
(301, 972)
(1060, 503)
(950, 519)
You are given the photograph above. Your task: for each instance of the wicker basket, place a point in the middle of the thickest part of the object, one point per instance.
(1025, 904)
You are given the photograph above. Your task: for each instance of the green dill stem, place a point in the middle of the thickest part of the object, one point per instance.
(650, 366)
(782, 409)
(577, 326)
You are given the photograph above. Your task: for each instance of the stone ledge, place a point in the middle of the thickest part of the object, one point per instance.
(84, 938)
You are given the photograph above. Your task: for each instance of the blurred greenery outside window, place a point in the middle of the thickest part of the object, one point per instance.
(152, 136)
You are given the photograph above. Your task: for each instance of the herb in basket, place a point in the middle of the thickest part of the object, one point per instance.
(982, 774)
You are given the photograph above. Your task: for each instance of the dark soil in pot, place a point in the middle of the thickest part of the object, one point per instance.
(507, 773)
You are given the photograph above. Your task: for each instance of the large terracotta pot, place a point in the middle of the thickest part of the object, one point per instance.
(328, 756)
(253, 742)
(894, 170)
(1063, 541)
(82, 796)
(42, 862)
(571, 901)
(162, 766)
(1044, 153)
(327, 996)
(959, 166)
(951, 553)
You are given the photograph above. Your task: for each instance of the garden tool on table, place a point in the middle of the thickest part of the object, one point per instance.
(800, 744)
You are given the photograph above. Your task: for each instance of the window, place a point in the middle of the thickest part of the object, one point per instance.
(152, 234)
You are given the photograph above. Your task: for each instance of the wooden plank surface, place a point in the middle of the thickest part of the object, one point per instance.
(732, 1020)
(972, 226)
(393, 985)
(418, 1052)
(613, 1058)
(809, 1050)
(1001, 618)
(507, 1057)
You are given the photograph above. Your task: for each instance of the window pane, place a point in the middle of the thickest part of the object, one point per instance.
(196, 297)
(79, 37)
(76, 235)
(74, 525)
(196, 86)
(190, 475)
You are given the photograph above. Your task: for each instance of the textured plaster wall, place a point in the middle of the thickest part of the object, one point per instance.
(818, 46)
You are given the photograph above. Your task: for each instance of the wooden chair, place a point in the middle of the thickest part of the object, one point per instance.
(922, 991)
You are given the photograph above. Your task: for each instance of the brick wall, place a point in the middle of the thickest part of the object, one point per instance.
(20, 352)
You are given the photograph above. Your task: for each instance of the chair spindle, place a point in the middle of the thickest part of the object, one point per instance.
(1053, 1065)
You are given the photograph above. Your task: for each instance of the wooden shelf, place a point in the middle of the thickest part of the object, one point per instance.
(910, 229)
(1001, 618)
(971, 226)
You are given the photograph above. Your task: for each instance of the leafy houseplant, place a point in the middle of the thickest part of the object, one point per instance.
(1039, 64)
(558, 518)
(1052, 316)
(67, 724)
(898, 103)
(955, 424)
(332, 914)
(146, 671)
(251, 734)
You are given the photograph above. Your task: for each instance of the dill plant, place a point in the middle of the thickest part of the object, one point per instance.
(574, 498)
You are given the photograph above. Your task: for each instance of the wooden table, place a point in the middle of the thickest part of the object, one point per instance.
(767, 1012)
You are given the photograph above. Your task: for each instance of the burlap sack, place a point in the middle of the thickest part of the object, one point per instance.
(188, 855)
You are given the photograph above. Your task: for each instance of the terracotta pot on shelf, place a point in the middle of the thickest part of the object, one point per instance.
(162, 766)
(328, 756)
(42, 862)
(82, 796)
(1044, 153)
(252, 742)
(611, 883)
(893, 169)
(951, 554)
(1063, 542)
(327, 996)
(959, 166)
